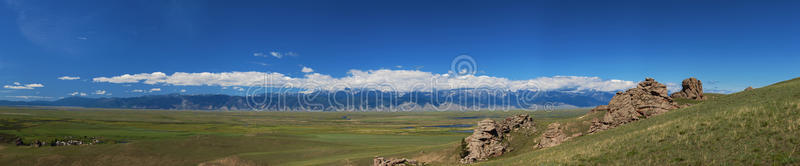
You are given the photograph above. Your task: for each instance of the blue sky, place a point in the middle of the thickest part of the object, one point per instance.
(729, 45)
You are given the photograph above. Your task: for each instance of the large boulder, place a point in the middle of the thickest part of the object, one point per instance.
(486, 140)
(553, 136)
(380, 161)
(648, 98)
(692, 89)
(748, 88)
(516, 122)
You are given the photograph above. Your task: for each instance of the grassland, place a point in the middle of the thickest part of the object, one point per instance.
(757, 127)
(162, 137)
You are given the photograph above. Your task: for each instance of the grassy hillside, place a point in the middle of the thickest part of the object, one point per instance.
(757, 127)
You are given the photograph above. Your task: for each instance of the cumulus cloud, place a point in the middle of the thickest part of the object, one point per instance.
(78, 94)
(261, 54)
(137, 91)
(30, 97)
(384, 79)
(275, 54)
(18, 85)
(155, 89)
(307, 70)
(100, 92)
(68, 78)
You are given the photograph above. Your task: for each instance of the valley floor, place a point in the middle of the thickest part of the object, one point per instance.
(161, 137)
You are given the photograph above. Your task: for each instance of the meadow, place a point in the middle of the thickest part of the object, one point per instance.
(756, 127)
(168, 137)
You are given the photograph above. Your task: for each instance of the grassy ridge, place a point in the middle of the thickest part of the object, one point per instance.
(756, 127)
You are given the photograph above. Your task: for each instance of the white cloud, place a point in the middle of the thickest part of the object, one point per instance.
(137, 91)
(100, 92)
(384, 79)
(307, 70)
(30, 97)
(261, 54)
(18, 85)
(155, 89)
(183, 90)
(276, 54)
(135, 78)
(78, 94)
(68, 78)
(673, 87)
(238, 88)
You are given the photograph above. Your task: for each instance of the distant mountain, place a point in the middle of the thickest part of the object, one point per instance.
(459, 99)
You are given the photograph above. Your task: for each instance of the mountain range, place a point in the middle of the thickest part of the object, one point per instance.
(347, 100)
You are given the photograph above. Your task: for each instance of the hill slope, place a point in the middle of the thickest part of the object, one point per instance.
(760, 126)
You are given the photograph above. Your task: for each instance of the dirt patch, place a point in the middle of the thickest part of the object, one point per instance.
(228, 161)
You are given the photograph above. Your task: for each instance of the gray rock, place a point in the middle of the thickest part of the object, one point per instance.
(380, 161)
(649, 98)
(554, 135)
(486, 140)
(692, 88)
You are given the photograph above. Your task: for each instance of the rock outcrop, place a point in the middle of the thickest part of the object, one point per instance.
(748, 88)
(553, 136)
(380, 161)
(516, 122)
(648, 98)
(692, 89)
(486, 140)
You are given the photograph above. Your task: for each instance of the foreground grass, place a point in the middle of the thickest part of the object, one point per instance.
(758, 127)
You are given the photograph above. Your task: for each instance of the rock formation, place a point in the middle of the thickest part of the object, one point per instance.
(380, 161)
(487, 139)
(600, 108)
(516, 122)
(692, 89)
(748, 88)
(646, 99)
(553, 136)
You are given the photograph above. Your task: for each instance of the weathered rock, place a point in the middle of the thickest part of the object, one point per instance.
(748, 88)
(516, 122)
(487, 139)
(380, 161)
(647, 99)
(553, 136)
(692, 89)
(600, 108)
(19, 142)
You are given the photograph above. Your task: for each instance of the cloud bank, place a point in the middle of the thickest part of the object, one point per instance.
(68, 78)
(384, 79)
(18, 85)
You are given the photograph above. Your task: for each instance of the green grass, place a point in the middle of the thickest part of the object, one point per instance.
(758, 127)
(160, 137)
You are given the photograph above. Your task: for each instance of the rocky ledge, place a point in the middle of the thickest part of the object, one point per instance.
(486, 140)
(380, 161)
(648, 98)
